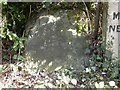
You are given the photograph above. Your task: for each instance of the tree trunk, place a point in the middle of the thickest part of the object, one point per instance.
(0, 33)
(97, 20)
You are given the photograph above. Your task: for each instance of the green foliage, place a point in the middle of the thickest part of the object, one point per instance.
(102, 66)
(17, 41)
(13, 30)
(101, 70)
(17, 14)
(3, 2)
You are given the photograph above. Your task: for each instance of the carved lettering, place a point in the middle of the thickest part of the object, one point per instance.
(114, 28)
(118, 28)
(116, 15)
(111, 27)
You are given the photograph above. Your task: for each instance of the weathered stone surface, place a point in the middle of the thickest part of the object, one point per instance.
(113, 32)
(54, 38)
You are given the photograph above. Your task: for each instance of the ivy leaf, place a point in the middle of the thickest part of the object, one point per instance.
(105, 65)
(20, 57)
(15, 57)
(115, 74)
(109, 55)
(93, 68)
(98, 57)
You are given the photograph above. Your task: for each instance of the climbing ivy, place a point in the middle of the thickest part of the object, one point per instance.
(13, 34)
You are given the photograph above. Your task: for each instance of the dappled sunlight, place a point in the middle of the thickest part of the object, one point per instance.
(56, 40)
(74, 31)
(59, 45)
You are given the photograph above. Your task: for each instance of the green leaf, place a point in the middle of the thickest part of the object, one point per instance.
(15, 57)
(93, 68)
(3, 1)
(21, 44)
(14, 35)
(5, 56)
(98, 57)
(23, 38)
(109, 55)
(105, 65)
(20, 57)
(115, 74)
(15, 45)
(9, 35)
(9, 24)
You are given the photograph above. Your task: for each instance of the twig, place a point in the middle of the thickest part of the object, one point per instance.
(88, 15)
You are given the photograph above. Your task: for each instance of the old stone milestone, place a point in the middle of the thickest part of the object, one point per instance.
(113, 32)
(53, 38)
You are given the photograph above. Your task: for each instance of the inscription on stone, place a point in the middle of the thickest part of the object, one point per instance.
(115, 28)
(113, 24)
